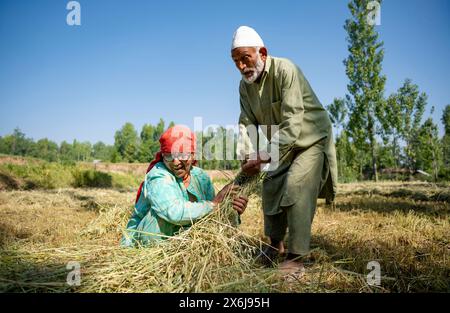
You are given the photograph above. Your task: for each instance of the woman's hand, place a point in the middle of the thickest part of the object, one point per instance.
(240, 204)
(228, 190)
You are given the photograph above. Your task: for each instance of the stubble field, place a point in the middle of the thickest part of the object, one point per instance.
(402, 226)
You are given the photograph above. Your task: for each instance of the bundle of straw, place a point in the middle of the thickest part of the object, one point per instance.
(212, 255)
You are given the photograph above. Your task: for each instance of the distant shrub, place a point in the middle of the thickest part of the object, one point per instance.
(39, 175)
(46, 175)
(8, 182)
(68, 163)
(123, 181)
(347, 175)
(91, 178)
(444, 174)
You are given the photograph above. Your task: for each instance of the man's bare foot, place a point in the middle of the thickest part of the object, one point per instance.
(291, 269)
(280, 247)
(270, 255)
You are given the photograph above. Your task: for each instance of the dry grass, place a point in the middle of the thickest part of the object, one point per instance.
(43, 230)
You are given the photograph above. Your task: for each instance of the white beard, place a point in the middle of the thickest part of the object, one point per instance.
(257, 70)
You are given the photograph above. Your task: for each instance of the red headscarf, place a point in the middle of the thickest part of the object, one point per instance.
(176, 139)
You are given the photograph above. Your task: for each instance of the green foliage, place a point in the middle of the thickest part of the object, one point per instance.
(406, 143)
(126, 141)
(445, 143)
(446, 139)
(218, 149)
(42, 175)
(446, 119)
(101, 151)
(65, 152)
(128, 147)
(16, 144)
(81, 151)
(115, 157)
(47, 150)
(131, 148)
(338, 112)
(428, 150)
(51, 175)
(386, 156)
(403, 118)
(366, 84)
(444, 174)
(125, 181)
(364, 116)
(91, 178)
(348, 171)
(149, 146)
(159, 130)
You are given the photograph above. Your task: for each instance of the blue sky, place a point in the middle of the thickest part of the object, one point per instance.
(136, 61)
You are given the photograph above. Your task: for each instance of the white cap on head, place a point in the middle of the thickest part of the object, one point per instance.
(246, 36)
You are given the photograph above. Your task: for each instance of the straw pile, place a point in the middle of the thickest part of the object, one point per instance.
(41, 231)
(212, 255)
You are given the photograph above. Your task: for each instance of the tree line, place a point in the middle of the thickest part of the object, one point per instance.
(129, 146)
(377, 134)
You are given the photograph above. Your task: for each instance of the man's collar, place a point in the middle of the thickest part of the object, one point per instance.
(268, 63)
(265, 72)
(266, 69)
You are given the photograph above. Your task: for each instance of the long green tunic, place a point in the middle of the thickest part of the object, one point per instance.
(284, 97)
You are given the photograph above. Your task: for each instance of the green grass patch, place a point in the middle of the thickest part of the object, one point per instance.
(47, 175)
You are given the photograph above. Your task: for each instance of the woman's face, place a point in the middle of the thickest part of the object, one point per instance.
(179, 164)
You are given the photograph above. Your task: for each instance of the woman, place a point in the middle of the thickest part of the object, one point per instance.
(175, 193)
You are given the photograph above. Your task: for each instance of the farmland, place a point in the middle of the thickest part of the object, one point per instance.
(404, 226)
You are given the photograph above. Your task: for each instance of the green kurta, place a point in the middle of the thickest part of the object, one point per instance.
(284, 97)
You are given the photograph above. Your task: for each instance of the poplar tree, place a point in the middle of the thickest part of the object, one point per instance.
(428, 150)
(404, 115)
(366, 86)
(446, 139)
(126, 142)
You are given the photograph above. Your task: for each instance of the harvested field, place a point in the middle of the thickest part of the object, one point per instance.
(408, 235)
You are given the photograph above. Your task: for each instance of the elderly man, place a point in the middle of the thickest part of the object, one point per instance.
(175, 193)
(274, 92)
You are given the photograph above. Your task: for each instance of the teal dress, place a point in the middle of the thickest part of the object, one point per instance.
(164, 208)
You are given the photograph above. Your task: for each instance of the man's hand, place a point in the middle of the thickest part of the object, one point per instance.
(253, 166)
(240, 204)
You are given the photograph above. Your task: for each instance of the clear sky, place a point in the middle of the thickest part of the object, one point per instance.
(136, 61)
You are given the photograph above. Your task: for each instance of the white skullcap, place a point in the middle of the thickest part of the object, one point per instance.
(246, 36)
